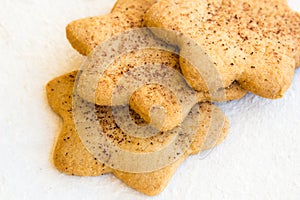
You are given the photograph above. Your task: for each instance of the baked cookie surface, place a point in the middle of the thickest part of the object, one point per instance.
(71, 156)
(252, 42)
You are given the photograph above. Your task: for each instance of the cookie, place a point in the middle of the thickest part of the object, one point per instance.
(252, 42)
(71, 157)
(86, 34)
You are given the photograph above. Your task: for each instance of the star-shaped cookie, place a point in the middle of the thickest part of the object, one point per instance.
(86, 34)
(71, 156)
(253, 42)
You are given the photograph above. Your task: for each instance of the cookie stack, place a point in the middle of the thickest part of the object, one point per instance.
(251, 44)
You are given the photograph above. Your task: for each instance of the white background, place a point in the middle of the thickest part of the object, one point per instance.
(259, 160)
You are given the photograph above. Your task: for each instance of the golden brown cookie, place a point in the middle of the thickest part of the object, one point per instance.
(71, 157)
(252, 42)
(86, 34)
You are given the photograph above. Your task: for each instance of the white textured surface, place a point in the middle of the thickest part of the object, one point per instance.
(259, 160)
